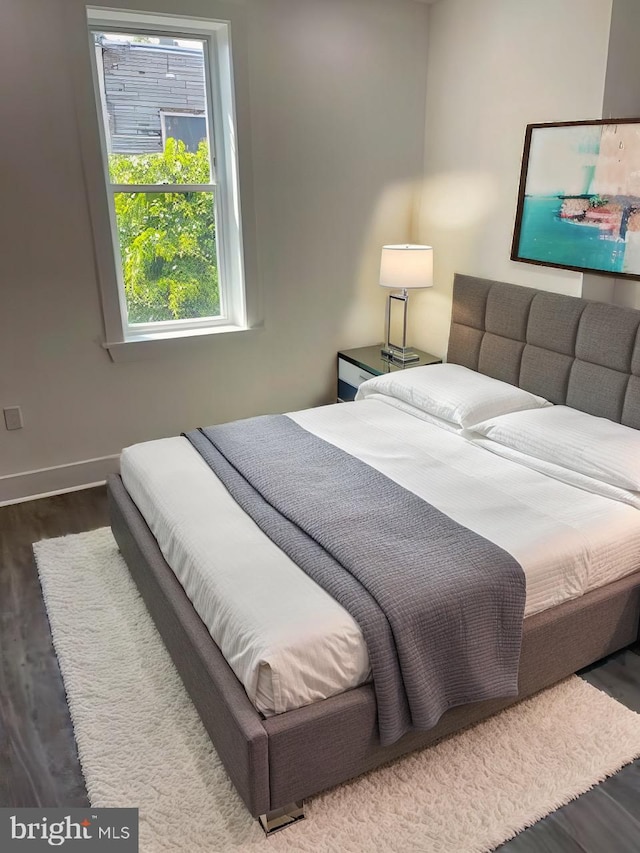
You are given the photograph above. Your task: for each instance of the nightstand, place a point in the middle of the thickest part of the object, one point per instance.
(355, 366)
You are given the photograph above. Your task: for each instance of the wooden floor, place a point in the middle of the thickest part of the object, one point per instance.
(38, 757)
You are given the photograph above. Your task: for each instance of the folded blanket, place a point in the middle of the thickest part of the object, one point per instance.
(439, 606)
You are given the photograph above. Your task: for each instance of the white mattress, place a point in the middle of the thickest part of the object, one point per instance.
(286, 639)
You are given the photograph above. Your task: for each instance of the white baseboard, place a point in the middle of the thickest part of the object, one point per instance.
(29, 485)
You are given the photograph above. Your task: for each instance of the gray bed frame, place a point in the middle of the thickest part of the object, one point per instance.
(571, 351)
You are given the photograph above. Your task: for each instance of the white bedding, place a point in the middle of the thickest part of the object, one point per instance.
(287, 640)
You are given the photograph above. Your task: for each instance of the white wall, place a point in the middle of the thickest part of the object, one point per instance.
(622, 100)
(622, 90)
(337, 100)
(495, 66)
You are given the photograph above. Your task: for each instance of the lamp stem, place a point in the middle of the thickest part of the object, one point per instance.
(400, 354)
(405, 294)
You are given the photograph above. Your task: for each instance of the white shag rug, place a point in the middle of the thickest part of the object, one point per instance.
(141, 742)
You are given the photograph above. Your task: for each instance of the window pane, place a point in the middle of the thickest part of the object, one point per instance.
(168, 250)
(191, 129)
(140, 79)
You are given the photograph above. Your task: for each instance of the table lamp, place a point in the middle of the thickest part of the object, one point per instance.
(403, 267)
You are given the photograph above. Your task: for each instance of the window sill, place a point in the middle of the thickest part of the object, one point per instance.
(155, 344)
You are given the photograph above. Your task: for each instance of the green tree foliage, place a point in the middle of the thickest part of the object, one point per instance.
(167, 239)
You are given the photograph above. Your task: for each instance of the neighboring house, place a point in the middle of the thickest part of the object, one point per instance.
(153, 91)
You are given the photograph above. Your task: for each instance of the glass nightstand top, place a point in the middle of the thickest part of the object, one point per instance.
(372, 360)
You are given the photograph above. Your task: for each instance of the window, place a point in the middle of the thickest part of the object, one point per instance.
(165, 106)
(191, 128)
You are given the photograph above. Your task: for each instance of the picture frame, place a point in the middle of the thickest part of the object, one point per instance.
(579, 197)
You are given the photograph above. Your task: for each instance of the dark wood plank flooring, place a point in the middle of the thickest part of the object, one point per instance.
(38, 756)
(607, 818)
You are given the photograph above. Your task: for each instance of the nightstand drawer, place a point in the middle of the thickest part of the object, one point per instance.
(350, 377)
(352, 374)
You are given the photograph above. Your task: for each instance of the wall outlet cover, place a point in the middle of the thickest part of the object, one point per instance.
(13, 417)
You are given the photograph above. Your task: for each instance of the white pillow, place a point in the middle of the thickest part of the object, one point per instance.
(401, 406)
(596, 447)
(559, 472)
(451, 392)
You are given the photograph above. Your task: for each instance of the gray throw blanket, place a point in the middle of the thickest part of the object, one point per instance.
(439, 606)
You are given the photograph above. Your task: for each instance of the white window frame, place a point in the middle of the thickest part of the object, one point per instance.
(215, 35)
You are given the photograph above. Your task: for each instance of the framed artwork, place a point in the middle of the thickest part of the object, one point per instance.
(579, 199)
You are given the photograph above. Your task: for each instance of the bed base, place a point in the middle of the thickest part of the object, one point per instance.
(276, 761)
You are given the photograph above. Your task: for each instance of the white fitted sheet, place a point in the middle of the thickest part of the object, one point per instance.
(286, 639)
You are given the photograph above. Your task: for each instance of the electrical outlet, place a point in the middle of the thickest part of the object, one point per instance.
(13, 417)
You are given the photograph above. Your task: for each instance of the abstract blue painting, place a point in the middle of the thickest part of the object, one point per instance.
(579, 200)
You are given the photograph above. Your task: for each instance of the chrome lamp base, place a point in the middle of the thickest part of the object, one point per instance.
(399, 354)
(404, 355)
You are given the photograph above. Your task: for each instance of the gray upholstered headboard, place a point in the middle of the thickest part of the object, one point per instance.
(572, 351)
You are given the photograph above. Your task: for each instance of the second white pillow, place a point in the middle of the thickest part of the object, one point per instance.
(597, 447)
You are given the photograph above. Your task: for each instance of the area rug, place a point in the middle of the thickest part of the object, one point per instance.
(141, 742)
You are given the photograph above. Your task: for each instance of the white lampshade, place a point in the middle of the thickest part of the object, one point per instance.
(406, 266)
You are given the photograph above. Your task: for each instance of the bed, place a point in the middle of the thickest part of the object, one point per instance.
(279, 748)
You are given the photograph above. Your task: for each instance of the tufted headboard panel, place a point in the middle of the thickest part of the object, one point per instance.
(572, 351)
